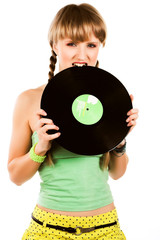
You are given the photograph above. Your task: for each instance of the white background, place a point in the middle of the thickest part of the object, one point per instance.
(132, 54)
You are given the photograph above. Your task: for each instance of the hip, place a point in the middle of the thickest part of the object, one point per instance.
(102, 226)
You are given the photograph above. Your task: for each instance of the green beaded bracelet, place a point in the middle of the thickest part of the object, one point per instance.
(34, 156)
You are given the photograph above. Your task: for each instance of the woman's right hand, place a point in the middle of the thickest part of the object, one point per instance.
(42, 126)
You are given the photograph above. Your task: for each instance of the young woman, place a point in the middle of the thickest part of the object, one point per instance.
(75, 201)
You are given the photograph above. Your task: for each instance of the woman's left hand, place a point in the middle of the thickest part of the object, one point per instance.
(132, 116)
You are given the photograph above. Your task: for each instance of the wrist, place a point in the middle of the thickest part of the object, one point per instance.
(39, 151)
(34, 156)
(120, 149)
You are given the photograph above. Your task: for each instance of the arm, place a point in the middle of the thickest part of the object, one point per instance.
(21, 168)
(118, 162)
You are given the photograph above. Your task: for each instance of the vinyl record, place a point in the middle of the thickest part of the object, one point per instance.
(89, 105)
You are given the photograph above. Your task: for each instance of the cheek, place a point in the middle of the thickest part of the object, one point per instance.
(65, 55)
(94, 56)
(62, 57)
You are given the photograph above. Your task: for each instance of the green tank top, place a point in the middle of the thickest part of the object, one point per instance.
(74, 182)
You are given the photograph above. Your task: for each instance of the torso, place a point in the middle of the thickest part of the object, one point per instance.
(36, 94)
(98, 211)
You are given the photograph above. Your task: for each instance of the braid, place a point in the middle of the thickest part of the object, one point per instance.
(97, 64)
(53, 61)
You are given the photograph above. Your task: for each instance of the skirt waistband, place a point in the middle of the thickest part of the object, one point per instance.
(70, 221)
(77, 230)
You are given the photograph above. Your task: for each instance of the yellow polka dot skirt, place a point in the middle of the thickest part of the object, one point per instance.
(38, 232)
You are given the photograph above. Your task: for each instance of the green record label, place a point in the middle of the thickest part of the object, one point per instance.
(87, 109)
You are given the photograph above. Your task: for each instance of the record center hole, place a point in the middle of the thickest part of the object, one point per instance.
(87, 109)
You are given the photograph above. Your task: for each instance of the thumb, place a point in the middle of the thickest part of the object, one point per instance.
(132, 98)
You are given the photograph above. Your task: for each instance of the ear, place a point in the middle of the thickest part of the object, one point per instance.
(54, 47)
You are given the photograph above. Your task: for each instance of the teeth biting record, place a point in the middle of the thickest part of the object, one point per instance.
(79, 64)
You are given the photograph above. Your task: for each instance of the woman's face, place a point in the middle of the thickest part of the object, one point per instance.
(77, 53)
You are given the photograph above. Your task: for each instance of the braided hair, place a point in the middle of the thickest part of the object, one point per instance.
(53, 60)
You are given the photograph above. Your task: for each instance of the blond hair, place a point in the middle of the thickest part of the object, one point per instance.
(76, 22)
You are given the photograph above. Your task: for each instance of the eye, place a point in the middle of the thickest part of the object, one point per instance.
(91, 45)
(71, 44)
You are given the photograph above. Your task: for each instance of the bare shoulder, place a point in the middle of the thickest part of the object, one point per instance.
(30, 98)
(28, 102)
(30, 95)
(24, 118)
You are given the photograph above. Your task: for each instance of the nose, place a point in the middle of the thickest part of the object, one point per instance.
(81, 53)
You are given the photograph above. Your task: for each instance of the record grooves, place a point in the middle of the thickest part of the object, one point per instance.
(90, 107)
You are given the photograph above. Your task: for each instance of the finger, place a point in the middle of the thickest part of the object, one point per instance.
(49, 137)
(41, 112)
(44, 121)
(132, 111)
(132, 117)
(132, 97)
(54, 136)
(50, 127)
(131, 123)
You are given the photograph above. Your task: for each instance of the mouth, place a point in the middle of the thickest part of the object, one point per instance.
(79, 64)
